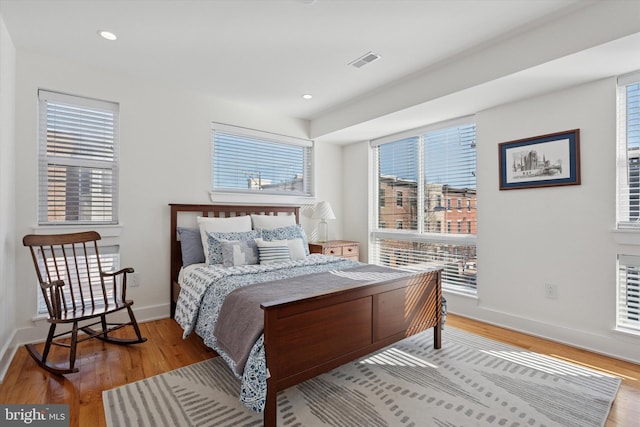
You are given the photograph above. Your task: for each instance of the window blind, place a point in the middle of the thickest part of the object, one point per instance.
(628, 296)
(109, 260)
(457, 261)
(246, 160)
(435, 170)
(78, 160)
(628, 151)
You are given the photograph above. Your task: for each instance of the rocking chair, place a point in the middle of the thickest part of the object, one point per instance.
(75, 290)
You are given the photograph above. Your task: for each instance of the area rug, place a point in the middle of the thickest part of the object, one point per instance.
(471, 381)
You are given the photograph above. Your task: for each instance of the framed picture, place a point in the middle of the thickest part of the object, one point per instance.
(541, 161)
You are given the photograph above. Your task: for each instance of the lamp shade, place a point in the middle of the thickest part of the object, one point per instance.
(323, 210)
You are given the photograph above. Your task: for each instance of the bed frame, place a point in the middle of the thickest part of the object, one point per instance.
(306, 337)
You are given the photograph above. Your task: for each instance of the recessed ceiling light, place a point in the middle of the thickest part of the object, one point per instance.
(307, 96)
(107, 35)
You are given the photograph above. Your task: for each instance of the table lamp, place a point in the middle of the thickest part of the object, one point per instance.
(323, 212)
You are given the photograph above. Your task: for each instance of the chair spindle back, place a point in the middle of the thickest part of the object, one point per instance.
(69, 271)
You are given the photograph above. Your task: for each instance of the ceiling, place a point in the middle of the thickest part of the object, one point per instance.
(268, 53)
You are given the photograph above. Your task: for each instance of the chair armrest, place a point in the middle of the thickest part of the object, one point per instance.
(115, 273)
(123, 272)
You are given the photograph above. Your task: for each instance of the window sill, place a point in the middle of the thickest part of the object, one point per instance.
(104, 230)
(626, 237)
(627, 331)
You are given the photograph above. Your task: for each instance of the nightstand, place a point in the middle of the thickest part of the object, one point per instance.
(340, 248)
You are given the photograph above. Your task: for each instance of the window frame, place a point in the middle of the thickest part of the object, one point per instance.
(628, 157)
(446, 237)
(81, 165)
(237, 195)
(628, 294)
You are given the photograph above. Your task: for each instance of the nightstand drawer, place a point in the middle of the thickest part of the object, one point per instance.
(352, 251)
(340, 248)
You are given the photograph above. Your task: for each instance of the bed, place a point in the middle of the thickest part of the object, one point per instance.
(303, 333)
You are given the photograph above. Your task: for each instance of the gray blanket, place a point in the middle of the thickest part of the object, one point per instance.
(241, 320)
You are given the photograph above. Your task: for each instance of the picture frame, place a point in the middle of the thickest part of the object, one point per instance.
(541, 161)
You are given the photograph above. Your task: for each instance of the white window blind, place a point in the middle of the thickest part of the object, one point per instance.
(629, 151)
(109, 260)
(78, 160)
(428, 165)
(628, 296)
(250, 161)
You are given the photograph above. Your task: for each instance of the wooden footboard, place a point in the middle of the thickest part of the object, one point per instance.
(306, 337)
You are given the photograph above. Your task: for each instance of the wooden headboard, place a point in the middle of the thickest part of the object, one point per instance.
(183, 215)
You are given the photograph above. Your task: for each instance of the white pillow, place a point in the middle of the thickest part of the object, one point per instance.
(221, 225)
(273, 251)
(296, 249)
(272, 221)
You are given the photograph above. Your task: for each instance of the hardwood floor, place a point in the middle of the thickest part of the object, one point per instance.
(105, 366)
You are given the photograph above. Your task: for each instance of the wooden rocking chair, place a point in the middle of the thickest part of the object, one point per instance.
(76, 289)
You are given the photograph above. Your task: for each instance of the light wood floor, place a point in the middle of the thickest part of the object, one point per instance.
(105, 366)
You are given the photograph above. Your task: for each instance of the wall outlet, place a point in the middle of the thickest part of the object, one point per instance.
(551, 291)
(133, 280)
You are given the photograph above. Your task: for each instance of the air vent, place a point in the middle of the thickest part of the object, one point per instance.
(365, 59)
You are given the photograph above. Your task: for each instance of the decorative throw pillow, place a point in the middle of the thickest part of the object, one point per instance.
(286, 233)
(214, 240)
(296, 249)
(272, 221)
(243, 252)
(221, 225)
(191, 246)
(272, 252)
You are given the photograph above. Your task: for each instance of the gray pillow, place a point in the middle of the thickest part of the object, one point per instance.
(215, 242)
(243, 252)
(191, 245)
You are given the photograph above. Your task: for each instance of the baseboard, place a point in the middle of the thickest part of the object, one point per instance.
(615, 345)
(8, 352)
(38, 332)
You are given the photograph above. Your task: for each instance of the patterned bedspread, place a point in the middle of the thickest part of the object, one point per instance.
(203, 291)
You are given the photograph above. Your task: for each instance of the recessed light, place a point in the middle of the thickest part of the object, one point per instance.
(307, 96)
(107, 35)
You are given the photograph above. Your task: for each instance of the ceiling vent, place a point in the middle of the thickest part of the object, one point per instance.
(365, 59)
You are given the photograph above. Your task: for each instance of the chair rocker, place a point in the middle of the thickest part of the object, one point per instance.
(76, 289)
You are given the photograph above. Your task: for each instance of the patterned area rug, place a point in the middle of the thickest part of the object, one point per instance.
(471, 381)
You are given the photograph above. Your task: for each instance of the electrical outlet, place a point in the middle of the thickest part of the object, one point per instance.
(133, 280)
(551, 291)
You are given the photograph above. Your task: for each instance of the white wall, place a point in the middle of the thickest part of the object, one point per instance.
(561, 235)
(356, 196)
(164, 156)
(7, 199)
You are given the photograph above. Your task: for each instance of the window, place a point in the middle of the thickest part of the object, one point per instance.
(399, 199)
(109, 260)
(255, 162)
(628, 298)
(429, 165)
(629, 151)
(382, 196)
(78, 160)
